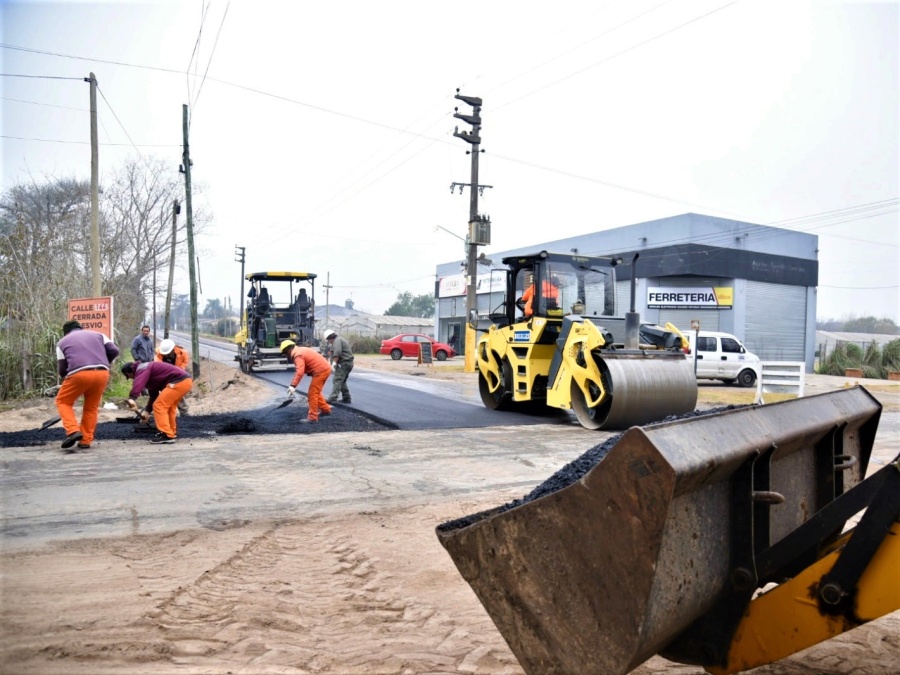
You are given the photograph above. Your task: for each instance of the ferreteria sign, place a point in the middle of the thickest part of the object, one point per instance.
(93, 314)
(484, 283)
(694, 297)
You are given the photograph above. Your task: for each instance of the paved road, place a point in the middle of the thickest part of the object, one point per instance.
(406, 401)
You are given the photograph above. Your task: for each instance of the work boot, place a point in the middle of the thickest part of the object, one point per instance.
(324, 412)
(309, 421)
(332, 399)
(162, 438)
(72, 439)
(347, 400)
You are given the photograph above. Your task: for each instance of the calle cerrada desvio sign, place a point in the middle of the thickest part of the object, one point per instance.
(93, 314)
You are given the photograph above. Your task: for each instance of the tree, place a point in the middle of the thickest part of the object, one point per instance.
(45, 255)
(138, 235)
(44, 259)
(213, 309)
(407, 304)
(865, 324)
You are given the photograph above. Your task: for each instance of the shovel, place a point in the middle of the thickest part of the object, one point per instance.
(281, 405)
(133, 418)
(49, 423)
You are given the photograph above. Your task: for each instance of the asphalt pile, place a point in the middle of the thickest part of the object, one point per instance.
(263, 421)
(570, 473)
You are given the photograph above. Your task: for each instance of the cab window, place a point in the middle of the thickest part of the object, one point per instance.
(731, 346)
(706, 344)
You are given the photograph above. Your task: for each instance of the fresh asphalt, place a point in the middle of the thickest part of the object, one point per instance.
(409, 403)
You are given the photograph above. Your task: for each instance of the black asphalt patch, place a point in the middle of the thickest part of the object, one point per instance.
(570, 473)
(263, 421)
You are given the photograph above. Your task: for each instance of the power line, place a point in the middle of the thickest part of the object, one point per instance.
(57, 140)
(616, 55)
(209, 62)
(579, 46)
(49, 105)
(859, 288)
(41, 77)
(807, 219)
(203, 9)
(212, 79)
(105, 100)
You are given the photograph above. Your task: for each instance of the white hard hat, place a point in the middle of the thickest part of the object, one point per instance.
(329, 333)
(166, 347)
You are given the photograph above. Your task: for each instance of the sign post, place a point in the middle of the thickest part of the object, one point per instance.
(93, 314)
(426, 351)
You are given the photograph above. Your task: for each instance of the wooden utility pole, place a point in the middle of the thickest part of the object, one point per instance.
(176, 209)
(327, 291)
(186, 168)
(95, 189)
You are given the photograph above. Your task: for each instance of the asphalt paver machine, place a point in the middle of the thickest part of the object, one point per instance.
(281, 306)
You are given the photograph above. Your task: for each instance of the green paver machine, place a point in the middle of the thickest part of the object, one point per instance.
(276, 311)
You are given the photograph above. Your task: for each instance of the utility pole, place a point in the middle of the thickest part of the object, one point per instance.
(186, 169)
(240, 253)
(95, 189)
(479, 231)
(162, 219)
(176, 209)
(327, 292)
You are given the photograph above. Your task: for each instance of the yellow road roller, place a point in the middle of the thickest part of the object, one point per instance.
(556, 340)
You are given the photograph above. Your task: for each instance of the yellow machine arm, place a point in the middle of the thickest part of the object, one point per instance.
(857, 581)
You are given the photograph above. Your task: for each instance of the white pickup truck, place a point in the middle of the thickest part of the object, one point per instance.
(721, 356)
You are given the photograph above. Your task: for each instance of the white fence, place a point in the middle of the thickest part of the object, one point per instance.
(780, 377)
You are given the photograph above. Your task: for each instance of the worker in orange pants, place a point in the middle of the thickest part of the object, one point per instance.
(83, 358)
(308, 362)
(167, 385)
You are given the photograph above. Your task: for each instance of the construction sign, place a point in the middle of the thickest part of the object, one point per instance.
(93, 314)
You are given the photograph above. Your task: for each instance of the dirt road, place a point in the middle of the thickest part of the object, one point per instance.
(354, 582)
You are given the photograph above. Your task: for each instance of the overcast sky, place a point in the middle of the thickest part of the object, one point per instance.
(322, 132)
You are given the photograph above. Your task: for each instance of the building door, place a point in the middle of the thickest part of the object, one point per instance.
(454, 336)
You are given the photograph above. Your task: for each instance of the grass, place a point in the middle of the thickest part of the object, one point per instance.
(719, 396)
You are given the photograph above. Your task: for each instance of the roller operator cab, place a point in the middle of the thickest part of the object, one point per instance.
(280, 306)
(556, 341)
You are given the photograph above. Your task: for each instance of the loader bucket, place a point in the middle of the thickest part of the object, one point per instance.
(617, 558)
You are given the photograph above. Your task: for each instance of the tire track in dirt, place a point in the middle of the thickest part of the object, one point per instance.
(307, 597)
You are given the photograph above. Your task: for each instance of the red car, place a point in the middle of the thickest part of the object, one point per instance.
(407, 344)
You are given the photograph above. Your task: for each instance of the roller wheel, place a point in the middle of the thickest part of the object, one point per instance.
(638, 391)
(501, 399)
(589, 418)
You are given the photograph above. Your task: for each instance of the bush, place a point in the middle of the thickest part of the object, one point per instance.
(874, 362)
(227, 327)
(363, 344)
(890, 356)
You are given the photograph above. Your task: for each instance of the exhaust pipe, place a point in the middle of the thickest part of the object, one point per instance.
(632, 318)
